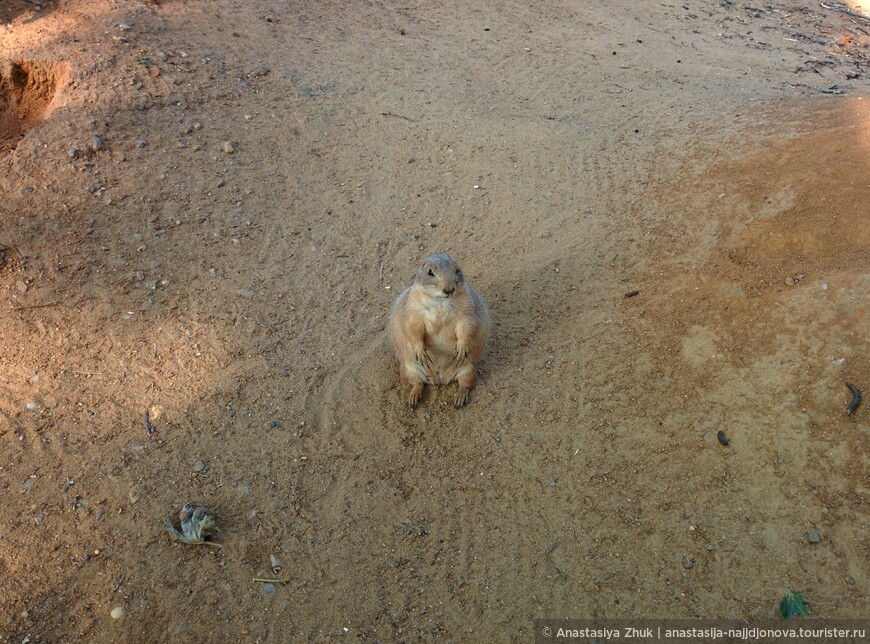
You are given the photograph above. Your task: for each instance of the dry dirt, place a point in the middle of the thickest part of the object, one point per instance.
(711, 156)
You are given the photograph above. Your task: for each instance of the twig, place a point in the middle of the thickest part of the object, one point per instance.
(148, 427)
(398, 116)
(86, 373)
(284, 580)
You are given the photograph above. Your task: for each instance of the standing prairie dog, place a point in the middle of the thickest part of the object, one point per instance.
(439, 326)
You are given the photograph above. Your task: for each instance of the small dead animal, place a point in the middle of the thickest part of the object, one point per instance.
(196, 526)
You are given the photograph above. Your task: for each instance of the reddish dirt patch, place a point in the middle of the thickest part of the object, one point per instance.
(27, 89)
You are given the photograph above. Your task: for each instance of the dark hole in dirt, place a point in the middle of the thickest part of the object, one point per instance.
(27, 89)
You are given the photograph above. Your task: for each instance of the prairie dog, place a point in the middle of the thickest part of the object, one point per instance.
(438, 327)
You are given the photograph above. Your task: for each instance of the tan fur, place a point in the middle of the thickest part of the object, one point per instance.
(439, 327)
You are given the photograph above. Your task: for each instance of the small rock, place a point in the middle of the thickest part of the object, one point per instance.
(136, 494)
(228, 148)
(688, 562)
(245, 489)
(21, 285)
(246, 292)
(72, 153)
(789, 281)
(273, 424)
(118, 612)
(97, 144)
(276, 563)
(270, 589)
(199, 466)
(124, 26)
(141, 143)
(262, 70)
(709, 547)
(154, 71)
(32, 406)
(850, 580)
(814, 537)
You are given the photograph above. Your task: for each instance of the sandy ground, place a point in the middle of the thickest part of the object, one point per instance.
(265, 179)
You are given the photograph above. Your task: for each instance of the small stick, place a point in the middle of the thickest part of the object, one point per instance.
(87, 373)
(35, 306)
(284, 580)
(148, 427)
(398, 116)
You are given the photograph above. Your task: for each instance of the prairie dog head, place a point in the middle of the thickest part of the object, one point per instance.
(440, 276)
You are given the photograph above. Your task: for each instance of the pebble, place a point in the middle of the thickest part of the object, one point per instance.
(246, 292)
(270, 589)
(814, 537)
(32, 406)
(850, 580)
(136, 494)
(273, 424)
(97, 144)
(199, 466)
(709, 547)
(155, 72)
(228, 148)
(21, 285)
(72, 153)
(789, 281)
(245, 489)
(124, 26)
(118, 612)
(688, 562)
(141, 143)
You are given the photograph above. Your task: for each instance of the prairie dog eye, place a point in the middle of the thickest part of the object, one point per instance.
(431, 274)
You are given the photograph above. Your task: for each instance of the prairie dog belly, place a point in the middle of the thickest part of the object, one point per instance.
(440, 325)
